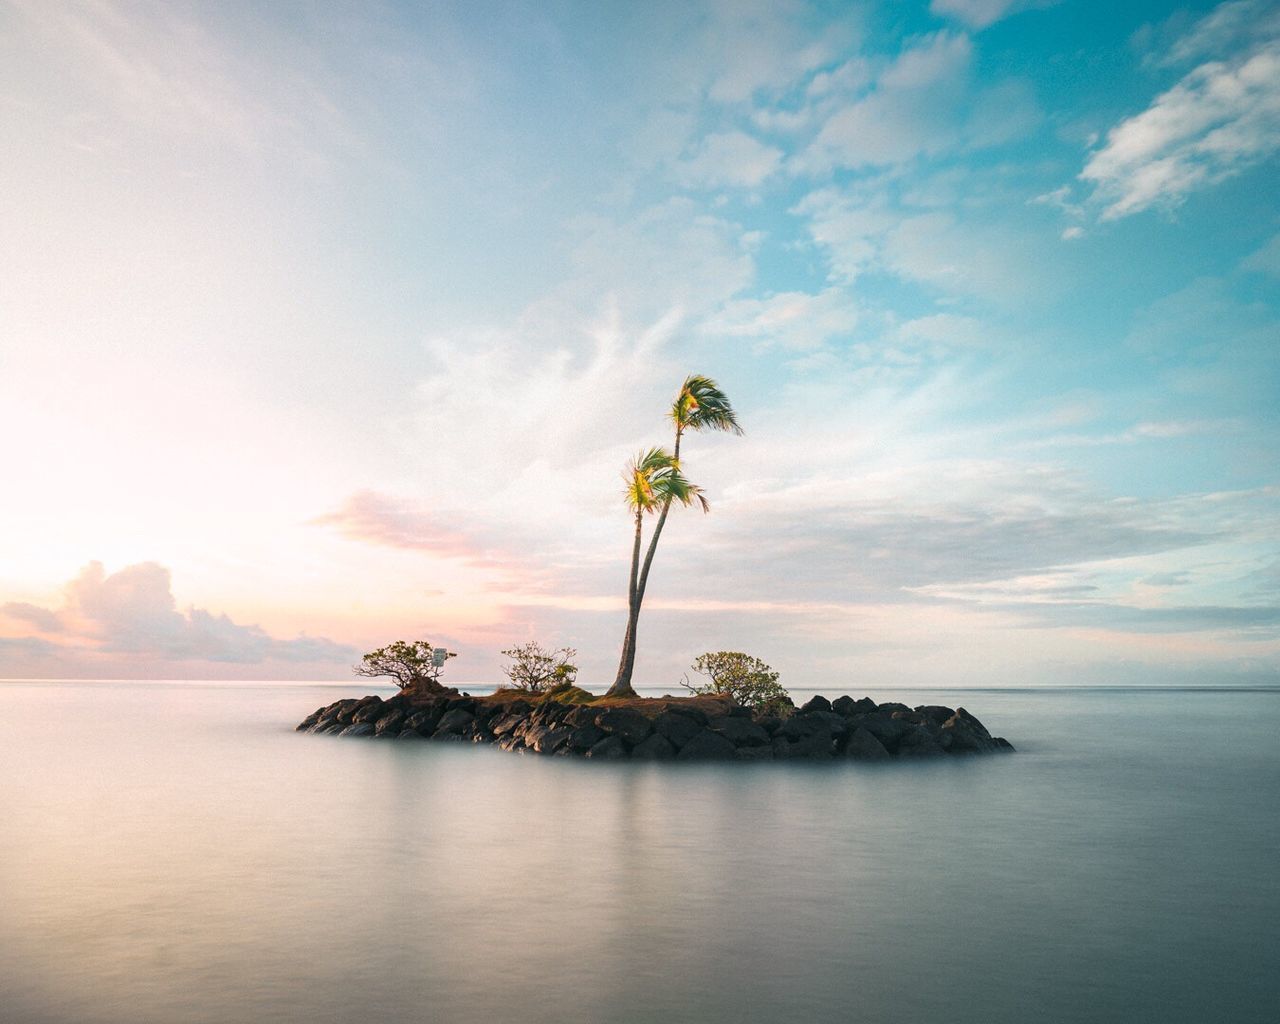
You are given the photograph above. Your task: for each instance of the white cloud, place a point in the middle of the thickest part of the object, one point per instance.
(923, 103)
(1222, 118)
(794, 320)
(729, 158)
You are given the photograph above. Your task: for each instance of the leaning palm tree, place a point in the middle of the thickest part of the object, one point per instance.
(653, 482)
(700, 405)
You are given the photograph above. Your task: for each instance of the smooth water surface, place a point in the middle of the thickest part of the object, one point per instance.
(174, 853)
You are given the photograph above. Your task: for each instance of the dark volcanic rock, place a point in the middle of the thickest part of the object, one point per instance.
(454, 722)
(655, 748)
(389, 724)
(853, 729)
(707, 746)
(678, 729)
(862, 746)
(741, 732)
(586, 736)
(611, 748)
(627, 723)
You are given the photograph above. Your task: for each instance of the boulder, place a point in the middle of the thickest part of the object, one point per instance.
(357, 729)
(423, 722)
(706, 745)
(370, 709)
(885, 728)
(676, 728)
(389, 724)
(309, 721)
(862, 746)
(815, 746)
(935, 713)
(627, 723)
(818, 703)
(807, 723)
(892, 706)
(552, 740)
(453, 722)
(585, 737)
(410, 734)
(611, 748)
(346, 709)
(697, 714)
(741, 732)
(764, 753)
(843, 705)
(920, 742)
(655, 748)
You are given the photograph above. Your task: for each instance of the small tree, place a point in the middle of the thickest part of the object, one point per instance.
(743, 679)
(535, 669)
(411, 663)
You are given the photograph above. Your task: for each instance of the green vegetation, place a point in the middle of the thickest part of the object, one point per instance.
(534, 669)
(745, 680)
(411, 663)
(654, 481)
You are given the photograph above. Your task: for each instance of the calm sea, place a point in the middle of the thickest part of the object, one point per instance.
(175, 853)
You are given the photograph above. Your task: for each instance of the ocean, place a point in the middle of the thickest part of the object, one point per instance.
(175, 853)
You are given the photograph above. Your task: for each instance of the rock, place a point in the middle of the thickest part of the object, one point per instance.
(1003, 746)
(769, 723)
(818, 703)
(865, 706)
(891, 707)
(309, 721)
(886, 729)
(655, 748)
(627, 723)
(697, 714)
(741, 732)
(964, 734)
(506, 724)
(920, 742)
(807, 723)
(862, 746)
(389, 724)
(585, 737)
(764, 753)
(935, 712)
(706, 745)
(552, 740)
(843, 705)
(611, 748)
(346, 709)
(814, 746)
(357, 729)
(370, 709)
(453, 722)
(678, 729)
(423, 722)
(410, 734)
(737, 711)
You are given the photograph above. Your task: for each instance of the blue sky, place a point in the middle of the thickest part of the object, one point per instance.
(323, 325)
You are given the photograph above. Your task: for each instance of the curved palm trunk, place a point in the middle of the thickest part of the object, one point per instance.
(639, 580)
(622, 683)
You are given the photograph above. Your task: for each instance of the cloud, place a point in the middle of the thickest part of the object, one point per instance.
(978, 14)
(132, 612)
(1218, 121)
(1265, 260)
(924, 103)
(729, 159)
(798, 321)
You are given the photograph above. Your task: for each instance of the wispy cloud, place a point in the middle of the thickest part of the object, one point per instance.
(1219, 120)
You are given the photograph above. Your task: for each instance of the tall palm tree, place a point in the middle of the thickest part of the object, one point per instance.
(699, 405)
(653, 482)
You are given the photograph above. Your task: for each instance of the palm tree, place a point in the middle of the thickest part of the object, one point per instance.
(700, 405)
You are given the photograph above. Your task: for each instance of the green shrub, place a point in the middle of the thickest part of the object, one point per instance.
(745, 680)
(411, 663)
(534, 669)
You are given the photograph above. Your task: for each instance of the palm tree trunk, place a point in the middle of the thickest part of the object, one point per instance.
(622, 683)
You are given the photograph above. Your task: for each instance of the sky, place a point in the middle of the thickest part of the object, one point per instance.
(324, 325)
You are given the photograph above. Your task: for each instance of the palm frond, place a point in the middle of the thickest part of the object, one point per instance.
(701, 405)
(653, 480)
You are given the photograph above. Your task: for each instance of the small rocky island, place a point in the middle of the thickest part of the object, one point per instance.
(568, 722)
